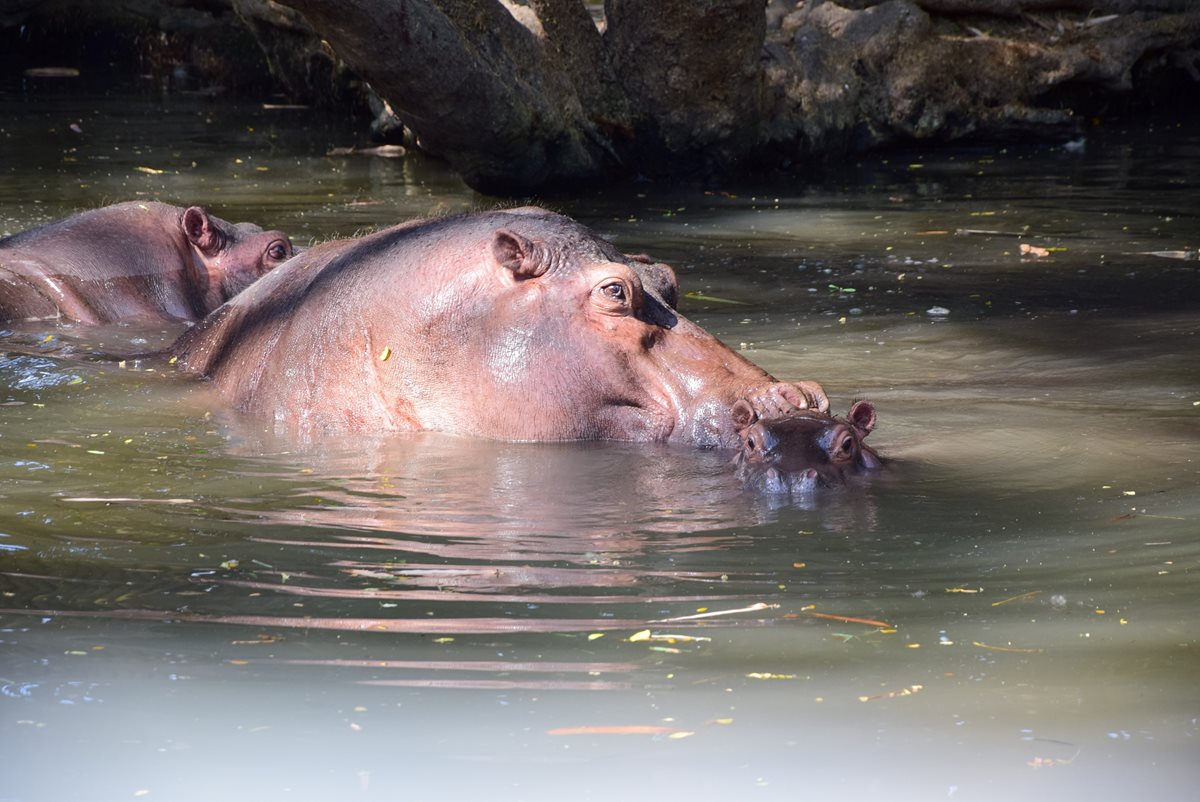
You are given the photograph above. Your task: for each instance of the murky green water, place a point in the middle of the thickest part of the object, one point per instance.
(194, 610)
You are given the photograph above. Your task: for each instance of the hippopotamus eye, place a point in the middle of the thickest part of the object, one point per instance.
(615, 296)
(277, 250)
(615, 292)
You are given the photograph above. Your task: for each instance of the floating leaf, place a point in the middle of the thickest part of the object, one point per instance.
(52, 72)
(149, 170)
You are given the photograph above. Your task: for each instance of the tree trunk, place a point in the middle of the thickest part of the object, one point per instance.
(525, 97)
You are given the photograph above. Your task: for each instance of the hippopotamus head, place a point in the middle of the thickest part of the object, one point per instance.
(800, 451)
(516, 325)
(231, 256)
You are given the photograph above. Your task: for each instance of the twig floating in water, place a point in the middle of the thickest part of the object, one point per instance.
(125, 500)
(752, 608)
(847, 619)
(1028, 595)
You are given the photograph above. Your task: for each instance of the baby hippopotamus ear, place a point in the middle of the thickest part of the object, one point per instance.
(862, 417)
(516, 252)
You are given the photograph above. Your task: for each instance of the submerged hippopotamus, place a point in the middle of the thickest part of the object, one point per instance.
(802, 450)
(143, 261)
(515, 325)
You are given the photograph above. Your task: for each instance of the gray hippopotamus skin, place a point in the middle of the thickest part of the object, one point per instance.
(135, 261)
(800, 451)
(519, 325)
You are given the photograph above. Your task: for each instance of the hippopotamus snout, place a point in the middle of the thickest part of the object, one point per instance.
(804, 449)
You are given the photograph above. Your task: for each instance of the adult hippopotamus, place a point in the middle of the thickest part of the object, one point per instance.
(799, 451)
(516, 325)
(142, 261)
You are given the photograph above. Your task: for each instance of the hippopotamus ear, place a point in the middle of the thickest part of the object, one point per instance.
(862, 417)
(200, 231)
(524, 257)
(743, 415)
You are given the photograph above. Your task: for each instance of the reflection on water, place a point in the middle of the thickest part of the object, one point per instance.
(189, 608)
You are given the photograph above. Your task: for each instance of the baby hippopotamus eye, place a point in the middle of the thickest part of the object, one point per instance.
(277, 251)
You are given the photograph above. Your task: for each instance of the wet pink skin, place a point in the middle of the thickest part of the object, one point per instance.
(800, 451)
(517, 325)
(136, 261)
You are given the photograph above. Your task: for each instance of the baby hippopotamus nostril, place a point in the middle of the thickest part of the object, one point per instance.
(802, 450)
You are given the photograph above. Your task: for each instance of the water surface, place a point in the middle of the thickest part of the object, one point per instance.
(196, 609)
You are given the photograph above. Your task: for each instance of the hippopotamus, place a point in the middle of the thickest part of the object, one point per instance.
(800, 451)
(518, 325)
(143, 261)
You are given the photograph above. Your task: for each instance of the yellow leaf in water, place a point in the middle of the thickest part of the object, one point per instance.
(443, 640)
(595, 635)
(675, 736)
(640, 636)
(149, 170)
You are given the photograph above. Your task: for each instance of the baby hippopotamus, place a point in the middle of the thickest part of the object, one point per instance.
(802, 450)
(135, 261)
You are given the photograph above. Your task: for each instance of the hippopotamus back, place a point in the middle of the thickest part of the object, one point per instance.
(518, 325)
